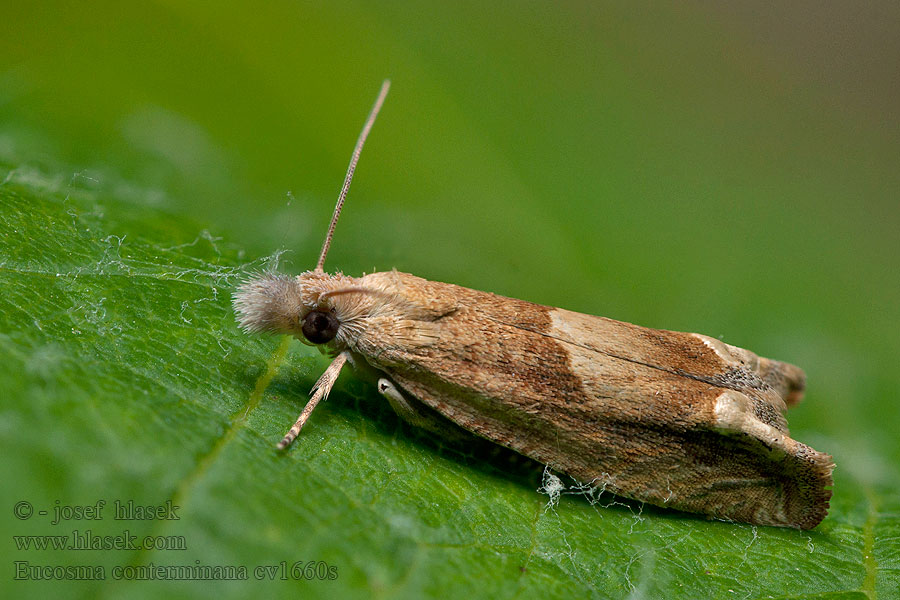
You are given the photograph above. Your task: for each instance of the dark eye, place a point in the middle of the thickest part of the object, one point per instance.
(320, 327)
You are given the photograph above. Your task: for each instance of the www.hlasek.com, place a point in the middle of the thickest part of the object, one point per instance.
(308, 570)
(88, 540)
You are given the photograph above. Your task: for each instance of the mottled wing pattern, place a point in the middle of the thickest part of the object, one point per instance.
(674, 419)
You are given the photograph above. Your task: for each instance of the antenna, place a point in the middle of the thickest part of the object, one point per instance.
(373, 114)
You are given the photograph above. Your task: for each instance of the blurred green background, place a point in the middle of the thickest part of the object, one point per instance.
(731, 170)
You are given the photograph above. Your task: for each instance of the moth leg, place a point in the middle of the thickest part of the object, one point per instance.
(419, 415)
(319, 392)
(404, 407)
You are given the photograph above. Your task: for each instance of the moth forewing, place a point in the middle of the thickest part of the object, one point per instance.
(675, 419)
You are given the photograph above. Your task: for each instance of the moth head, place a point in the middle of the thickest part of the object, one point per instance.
(302, 306)
(269, 303)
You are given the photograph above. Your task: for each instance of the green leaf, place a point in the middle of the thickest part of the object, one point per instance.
(668, 188)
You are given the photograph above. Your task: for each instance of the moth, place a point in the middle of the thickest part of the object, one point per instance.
(677, 420)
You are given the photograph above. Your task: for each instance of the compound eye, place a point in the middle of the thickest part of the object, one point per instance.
(320, 327)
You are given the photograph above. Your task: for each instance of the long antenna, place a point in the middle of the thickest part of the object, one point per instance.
(373, 114)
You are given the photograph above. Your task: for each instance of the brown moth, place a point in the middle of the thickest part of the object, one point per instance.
(678, 420)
